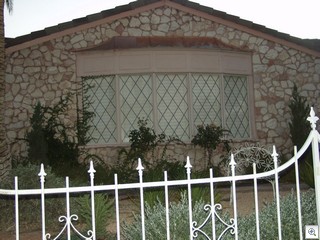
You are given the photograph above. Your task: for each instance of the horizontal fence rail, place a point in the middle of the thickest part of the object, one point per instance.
(195, 225)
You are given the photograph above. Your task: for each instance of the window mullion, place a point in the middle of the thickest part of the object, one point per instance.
(155, 115)
(222, 96)
(249, 98)
(118, 107)
(190, 105)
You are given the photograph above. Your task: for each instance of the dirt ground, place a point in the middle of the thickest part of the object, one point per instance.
(245, 205)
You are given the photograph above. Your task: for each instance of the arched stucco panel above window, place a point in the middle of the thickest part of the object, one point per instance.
(162, 60)
(162, 54)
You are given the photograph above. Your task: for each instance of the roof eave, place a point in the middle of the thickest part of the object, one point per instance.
(141, 6)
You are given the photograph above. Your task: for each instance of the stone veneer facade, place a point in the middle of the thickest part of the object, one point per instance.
(46, 71)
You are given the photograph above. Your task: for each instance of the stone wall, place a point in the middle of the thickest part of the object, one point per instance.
(46, 71)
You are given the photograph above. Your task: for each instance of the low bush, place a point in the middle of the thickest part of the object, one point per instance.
(55, 205)
(289, 218)
(155, 223)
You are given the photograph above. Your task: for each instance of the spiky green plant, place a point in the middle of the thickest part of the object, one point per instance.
(103, 212)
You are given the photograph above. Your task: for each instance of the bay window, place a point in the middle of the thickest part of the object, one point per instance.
(174, 89)
(173, 103)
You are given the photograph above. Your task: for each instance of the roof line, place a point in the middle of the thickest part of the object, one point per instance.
(139, 6)
(248, 29)
(82, 26)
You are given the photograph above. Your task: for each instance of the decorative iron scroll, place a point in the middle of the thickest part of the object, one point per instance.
(228, 227)
(68, 222)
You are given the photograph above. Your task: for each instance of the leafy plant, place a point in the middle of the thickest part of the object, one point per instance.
(209, 137)
(299, 131)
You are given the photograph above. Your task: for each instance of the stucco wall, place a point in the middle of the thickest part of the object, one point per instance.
(46, 71)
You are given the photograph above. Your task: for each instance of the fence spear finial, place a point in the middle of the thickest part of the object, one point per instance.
(275, 154)
(140, 167)
(188, 165)
(91, 170)
(232, 161)
(42, 174)
(313, 119)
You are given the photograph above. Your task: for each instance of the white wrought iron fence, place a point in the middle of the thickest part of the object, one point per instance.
(195, 229)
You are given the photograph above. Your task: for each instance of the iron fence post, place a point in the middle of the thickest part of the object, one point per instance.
(315, 156)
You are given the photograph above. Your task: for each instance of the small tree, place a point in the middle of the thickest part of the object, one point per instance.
(209, 137)
(144, 139)
(84, 117)
(299, 125)
(299, 131)
(143, 144)
(36, 138)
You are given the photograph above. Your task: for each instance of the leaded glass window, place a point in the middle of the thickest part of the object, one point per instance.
(173, 103)
(207, 99)
(236, 106)
(102, 96)
(136, 101)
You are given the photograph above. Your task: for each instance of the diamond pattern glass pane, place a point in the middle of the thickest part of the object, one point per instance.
(136, 102)
(102, 98)
(206, 99)
(236, 106)
(173, 105)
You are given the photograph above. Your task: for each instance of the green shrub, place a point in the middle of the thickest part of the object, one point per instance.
(179, 224)
(30, 206)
